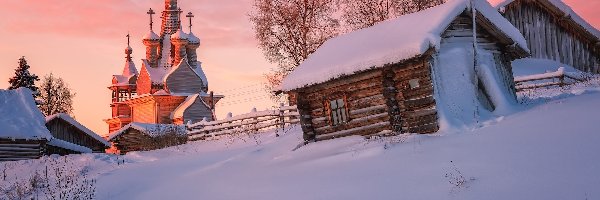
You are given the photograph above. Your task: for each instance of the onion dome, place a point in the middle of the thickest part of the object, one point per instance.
(151, 36)
(193, 39)
(128, 50)
(179, 35)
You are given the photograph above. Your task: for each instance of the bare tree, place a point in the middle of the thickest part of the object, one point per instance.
(359, 14)
(56, 96)
(290, 30)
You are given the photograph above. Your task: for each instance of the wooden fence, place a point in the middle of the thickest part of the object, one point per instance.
(558, 78)
(246, 123)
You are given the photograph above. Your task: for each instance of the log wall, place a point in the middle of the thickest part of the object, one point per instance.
(378, 102)
(551, 35)
(11, 150)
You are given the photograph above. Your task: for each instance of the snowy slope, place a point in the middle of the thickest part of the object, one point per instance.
(549, 150)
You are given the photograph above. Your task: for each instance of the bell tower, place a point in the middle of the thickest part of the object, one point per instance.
(170, 18)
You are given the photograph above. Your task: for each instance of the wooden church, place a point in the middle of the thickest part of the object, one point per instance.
(413, 74)
(555, 32)
(171, 86)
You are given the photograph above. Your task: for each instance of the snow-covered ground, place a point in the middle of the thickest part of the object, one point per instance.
(548, 150)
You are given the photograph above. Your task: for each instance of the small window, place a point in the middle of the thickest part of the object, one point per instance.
(414, 83)
(338, 114)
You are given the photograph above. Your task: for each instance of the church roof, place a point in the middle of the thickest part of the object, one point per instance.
(151, 36)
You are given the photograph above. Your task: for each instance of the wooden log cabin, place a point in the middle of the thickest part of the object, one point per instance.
(406, 74)
(144, 137)
(64, 127)
(555, 32)
(23, 131)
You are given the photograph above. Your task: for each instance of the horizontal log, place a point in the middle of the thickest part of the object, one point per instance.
(427, 128)
(412, 104)
(363, 130)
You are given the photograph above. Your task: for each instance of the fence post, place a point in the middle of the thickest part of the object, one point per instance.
(281, 118)
(561, 78)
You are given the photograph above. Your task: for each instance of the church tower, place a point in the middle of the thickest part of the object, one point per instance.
(170, 18)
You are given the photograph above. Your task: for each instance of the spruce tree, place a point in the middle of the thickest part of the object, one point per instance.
(23, 78)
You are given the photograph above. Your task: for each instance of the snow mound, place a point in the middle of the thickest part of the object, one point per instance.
(21, 119)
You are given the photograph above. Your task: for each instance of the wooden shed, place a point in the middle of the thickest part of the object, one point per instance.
(23, 132)
(144, 137)
(555, 32)
(64, 127)
(407, 75)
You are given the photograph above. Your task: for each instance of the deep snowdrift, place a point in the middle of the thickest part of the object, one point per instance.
(547, 151)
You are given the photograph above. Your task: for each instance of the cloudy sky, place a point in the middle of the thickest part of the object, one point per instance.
(83, 42)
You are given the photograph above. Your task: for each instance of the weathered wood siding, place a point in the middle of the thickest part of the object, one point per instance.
(417, 105)
(63, 130)
(144, 112)
(166, 106)
(551, 35)
(197, 111)
(11, 150)
(184, 80)
(378, 102)
(144, 83)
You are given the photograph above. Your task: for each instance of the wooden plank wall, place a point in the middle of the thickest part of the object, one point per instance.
(63, 130)
(367, 109)
(417, 105)
(197, 111)
(551, 37)
(11, 150)
(184, 80)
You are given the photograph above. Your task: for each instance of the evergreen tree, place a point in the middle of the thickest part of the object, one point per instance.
(56, 96)
(23, 78)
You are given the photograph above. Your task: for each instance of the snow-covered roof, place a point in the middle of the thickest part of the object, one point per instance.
(67, 145)
(156, 73)
(389, 42)
(179, 35)
(20, 117)
(558, 4)
(151, 36)
(193, 39)
(189, 101)
(184, 63)
(81, 127)
(200, 73)
(144, 128)
(129, 69)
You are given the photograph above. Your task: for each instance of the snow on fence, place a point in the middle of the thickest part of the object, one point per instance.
(557, 78)
(249, 122)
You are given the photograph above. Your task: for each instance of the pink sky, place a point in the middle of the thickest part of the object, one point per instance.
(83, 42)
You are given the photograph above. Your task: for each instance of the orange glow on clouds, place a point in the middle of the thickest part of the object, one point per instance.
(83, 42)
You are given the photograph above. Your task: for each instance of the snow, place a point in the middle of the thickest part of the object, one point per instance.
(143, 127)
(79, 126)
(129, 70)
(567, 12)
(193, 39)
(67, 145)
(156, 73)
(180, 110)
(151, 36)
(559, 72)
(20, 118)
(165, 60)
(179, 35)
(200, 73)
(532, 66)
(547, 150)
(389, 42)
